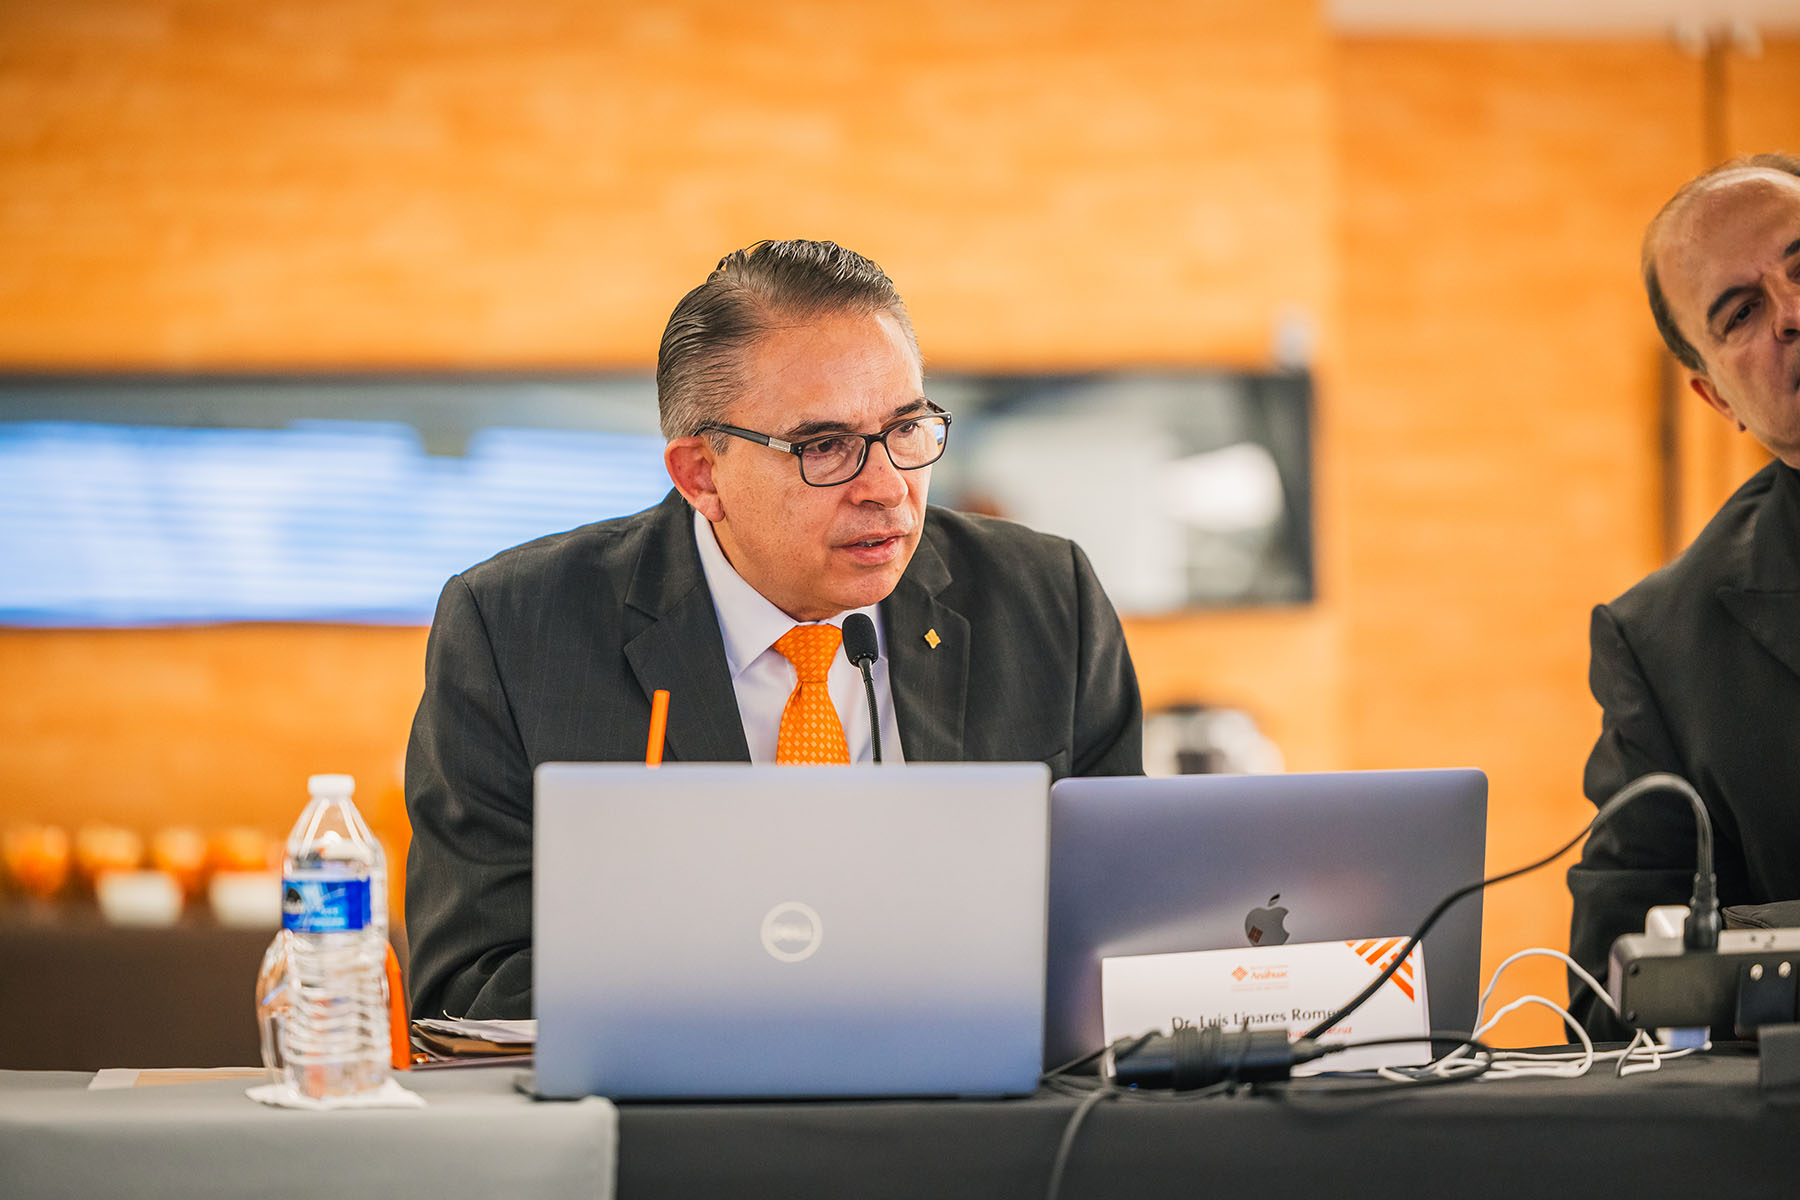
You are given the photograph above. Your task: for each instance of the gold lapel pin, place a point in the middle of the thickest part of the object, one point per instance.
(932, 639)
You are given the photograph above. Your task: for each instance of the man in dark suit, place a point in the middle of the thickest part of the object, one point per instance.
(800, 442)
(1697, 668)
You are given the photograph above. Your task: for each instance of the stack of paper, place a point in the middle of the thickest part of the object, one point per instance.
(448, 1041)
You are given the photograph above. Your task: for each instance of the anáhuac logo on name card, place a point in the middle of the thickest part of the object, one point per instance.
(1265, 977)
(1288, 987)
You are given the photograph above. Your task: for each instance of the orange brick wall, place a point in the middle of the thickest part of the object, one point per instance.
(351, 183)
(226, 184)
(1497, 412)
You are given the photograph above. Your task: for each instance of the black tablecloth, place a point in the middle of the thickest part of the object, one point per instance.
(1697, 1128)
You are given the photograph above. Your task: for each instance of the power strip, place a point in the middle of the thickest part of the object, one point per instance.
(1750, 980)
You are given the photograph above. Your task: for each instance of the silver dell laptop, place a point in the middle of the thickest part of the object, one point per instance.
(760, 931)
(1213, 862)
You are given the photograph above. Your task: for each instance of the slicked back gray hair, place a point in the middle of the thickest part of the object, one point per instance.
(1673, 338)
(699, 368)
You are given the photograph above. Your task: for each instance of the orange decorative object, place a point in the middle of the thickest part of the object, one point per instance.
(100, 848)
(37, 858)
(239, 848)
(182, 853)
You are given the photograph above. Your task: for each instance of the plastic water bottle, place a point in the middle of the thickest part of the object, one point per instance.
(322, 1001)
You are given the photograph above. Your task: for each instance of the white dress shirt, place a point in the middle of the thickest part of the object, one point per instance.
(762, 676)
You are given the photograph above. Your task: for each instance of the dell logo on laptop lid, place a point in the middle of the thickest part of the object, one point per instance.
(791, 931)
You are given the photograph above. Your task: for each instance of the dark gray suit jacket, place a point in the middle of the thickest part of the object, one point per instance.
(1697, 670)
(550, 652)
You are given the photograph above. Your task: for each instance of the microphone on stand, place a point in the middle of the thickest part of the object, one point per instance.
(860, 649)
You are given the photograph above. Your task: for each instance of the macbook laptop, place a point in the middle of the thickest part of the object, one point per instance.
(759, 931)
(1212, 862)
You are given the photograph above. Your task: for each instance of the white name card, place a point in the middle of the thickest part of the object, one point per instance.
(1275, 987)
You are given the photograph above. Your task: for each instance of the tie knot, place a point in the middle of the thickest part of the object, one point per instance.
(811, 648)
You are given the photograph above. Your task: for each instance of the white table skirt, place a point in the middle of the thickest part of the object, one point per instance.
(476, 1137)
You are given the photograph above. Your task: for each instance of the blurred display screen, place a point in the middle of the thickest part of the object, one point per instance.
(156, 500)
(1185, 490)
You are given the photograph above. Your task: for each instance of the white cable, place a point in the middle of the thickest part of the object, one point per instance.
(1509, 1063)
(1564, 1064)
(1658, 1051)
(1556, 1067)
(1580, 972)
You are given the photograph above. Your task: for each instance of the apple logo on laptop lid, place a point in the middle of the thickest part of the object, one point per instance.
(1263, 926)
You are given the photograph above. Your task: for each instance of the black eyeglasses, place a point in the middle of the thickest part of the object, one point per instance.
(836, 458)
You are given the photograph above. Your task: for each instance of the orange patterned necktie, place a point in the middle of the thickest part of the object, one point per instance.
(810, 729)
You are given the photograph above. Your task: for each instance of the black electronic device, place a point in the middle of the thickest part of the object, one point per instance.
(1747, 981)
(1198, 1056)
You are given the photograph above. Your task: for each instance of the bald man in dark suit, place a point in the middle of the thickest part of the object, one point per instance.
(1697, 668)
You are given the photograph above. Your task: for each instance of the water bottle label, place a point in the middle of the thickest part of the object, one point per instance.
(325, 905)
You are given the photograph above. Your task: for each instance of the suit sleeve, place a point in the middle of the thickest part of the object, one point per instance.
(1644, 855)
(1109, 715)
(468, 794)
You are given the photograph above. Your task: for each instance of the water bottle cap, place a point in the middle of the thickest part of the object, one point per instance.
(331, 785)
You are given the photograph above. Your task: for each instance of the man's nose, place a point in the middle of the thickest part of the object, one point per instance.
(1787, 312)
(1784, 300)
(880, 481)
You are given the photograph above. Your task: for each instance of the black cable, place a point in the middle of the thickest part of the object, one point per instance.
(1436, 1037)
(1243, 1052)
(1073, 1064)
(1083, 1060)
(1198, 1056)
(1097, 1091)
(1457, 1039)
(1705, 905)
(1093, 1093)
(1705, 893)
(1061, 1163)
(874, 713)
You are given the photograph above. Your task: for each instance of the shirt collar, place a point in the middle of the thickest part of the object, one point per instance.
(748, 622)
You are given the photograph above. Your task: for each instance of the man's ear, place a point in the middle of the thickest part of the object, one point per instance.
(1703, 387)
(690, 464)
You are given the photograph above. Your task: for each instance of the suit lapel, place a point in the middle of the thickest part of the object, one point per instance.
(1771, 618)
(1767, 603)
(928, 660)
(681, 648)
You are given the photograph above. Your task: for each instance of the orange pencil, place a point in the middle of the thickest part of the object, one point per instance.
(659, 725)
